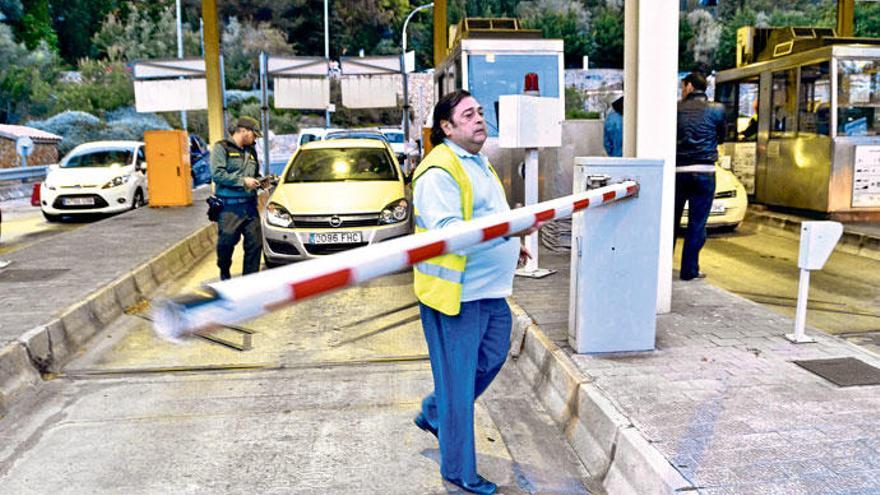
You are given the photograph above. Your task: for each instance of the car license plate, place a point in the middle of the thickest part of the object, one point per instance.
(79, 201)
(334, 238)
(717, 207)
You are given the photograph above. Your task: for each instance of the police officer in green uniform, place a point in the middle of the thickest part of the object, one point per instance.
(236, 174)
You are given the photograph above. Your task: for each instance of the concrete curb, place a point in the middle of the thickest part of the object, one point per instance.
(45, 348)
(604, 439)
(855, 243)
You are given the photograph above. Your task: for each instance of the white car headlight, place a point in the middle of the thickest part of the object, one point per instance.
(116, 182)
(395, 212)
(48, 185)
(278, 216)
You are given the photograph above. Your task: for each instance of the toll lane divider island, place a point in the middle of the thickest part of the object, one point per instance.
(244, 298)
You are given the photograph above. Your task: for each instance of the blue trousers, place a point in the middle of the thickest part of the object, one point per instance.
(467, 351)
(698, 189)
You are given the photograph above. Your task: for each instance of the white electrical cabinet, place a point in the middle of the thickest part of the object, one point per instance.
(614, 258)
(529, 122)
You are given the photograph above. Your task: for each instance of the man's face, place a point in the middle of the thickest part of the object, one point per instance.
(468, 127)
(248, 138)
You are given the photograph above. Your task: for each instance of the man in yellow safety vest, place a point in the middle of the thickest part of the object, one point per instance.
(461, 296)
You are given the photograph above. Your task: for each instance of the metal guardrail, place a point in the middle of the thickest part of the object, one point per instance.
(23, 173)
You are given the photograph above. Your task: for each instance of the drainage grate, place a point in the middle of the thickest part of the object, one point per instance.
(32, 275)
(843, 372)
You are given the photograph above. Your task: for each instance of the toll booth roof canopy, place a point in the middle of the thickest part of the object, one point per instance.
(16, 131)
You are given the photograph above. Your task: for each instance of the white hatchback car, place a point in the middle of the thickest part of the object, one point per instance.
(98, 177)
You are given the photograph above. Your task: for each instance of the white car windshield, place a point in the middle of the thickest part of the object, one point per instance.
(98, 158)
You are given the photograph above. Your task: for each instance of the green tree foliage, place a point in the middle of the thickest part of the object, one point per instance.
(10, 10)
(76, 21)
(567, 20)
(22, 71)
(137, 34)
(606, 32)
(35, 25)
(242, 44)
(104, 85)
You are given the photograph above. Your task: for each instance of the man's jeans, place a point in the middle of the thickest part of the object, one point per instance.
(698, 190)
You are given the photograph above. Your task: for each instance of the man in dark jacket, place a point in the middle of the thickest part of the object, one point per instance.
(701, 128)
(236, 171)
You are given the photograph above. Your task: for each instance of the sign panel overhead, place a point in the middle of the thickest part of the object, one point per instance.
(164, 69)
(365, 66)
(297, 66)
(304, 93)
(170, 95)
(369, 91)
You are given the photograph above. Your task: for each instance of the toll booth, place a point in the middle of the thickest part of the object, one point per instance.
(803, 113)
(490, 58)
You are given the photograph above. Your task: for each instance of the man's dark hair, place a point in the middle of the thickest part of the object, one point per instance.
(697, 80)
(443, 111)
(618, 105)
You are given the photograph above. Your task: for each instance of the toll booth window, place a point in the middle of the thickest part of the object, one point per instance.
(858, 98)
(740, 101)
(783, 115)
(814, 108)
(490, 76)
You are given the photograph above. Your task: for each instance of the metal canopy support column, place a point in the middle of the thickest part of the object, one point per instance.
(441, 43)
(650, 115)
(846, 11)
(216, 127)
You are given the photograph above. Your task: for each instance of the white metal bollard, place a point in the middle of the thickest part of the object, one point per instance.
(817, 242)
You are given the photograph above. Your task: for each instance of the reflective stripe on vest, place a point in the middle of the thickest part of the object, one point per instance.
(441, 272)
(438, 281)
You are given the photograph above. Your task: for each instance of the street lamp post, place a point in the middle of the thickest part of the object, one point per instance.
(403, 71)
(327, 54)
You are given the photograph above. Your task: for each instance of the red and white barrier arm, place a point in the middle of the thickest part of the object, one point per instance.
(248, 297)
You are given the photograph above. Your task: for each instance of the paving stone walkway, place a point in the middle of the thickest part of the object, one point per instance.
(721, 399)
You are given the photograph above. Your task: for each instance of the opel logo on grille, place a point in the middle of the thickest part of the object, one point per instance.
(335, 221)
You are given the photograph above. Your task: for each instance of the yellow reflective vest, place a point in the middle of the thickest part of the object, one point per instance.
(438, 281)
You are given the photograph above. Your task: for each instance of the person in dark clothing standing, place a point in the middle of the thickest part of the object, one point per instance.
(701, 128)
(236, 174)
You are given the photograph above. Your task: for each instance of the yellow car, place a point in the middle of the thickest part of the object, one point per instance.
(333, 196)
(730, 203)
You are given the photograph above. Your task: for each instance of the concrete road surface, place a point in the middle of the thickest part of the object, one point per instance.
(322, 403)
(23, 225)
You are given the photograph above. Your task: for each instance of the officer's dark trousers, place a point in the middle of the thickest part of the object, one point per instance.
(698, 190)
(466, 351)
(239, 220)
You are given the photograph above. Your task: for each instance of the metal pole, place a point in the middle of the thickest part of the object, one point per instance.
(213, 77)
(183, 122)
(846, 10)
(403, 70)
(327, 54)
(800, 318)
(264, 108)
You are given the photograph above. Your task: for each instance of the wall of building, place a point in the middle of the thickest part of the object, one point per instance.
(555, 165)
(44, 154)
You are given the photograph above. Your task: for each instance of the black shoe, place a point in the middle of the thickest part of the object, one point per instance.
(422, 422)
(700, 275)
(483, 486)
(225, 276)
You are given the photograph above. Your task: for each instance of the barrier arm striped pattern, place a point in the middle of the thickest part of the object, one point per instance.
(244, 298)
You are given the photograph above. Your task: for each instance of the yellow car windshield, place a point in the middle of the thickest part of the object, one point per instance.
(342, 164)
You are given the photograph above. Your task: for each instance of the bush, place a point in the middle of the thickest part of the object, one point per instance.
(127, 124)
(75, 127)
(81, 127)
